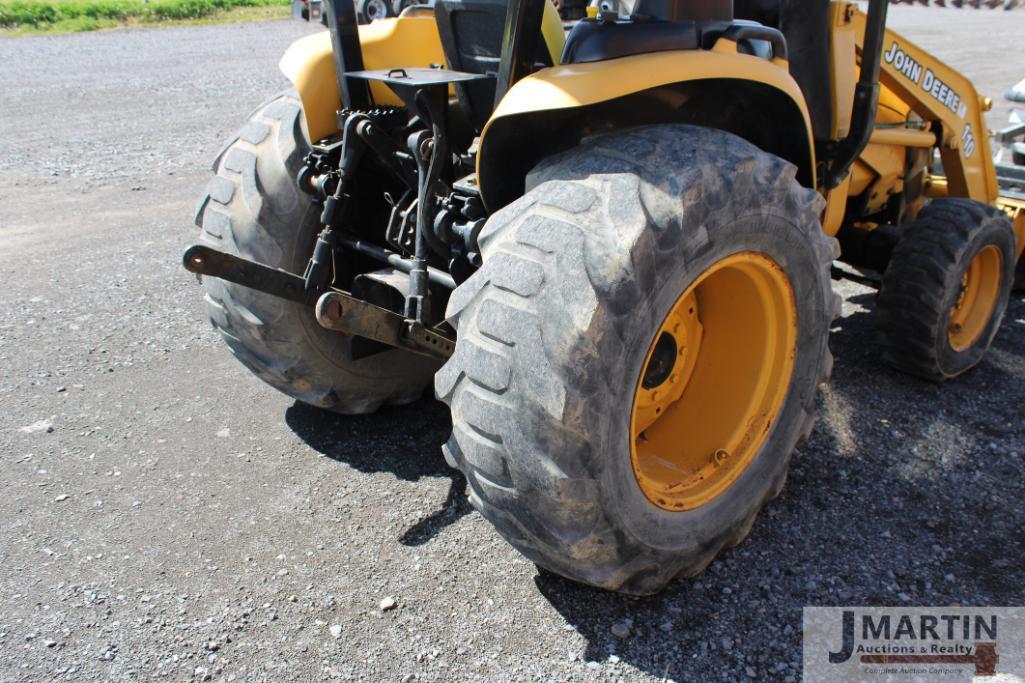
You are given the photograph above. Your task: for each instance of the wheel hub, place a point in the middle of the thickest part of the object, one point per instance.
(713, 381)
(663, 358)
(980, 290)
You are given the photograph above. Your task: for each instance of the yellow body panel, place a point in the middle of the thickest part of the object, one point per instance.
(892, 109)
(553, 33)
(861, 176)
(836, 205)
(309, 65)
(1015, 210)
(842, 66)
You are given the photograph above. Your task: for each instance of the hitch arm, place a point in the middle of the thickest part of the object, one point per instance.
(335, 310)
(206, 261)
(345, 313)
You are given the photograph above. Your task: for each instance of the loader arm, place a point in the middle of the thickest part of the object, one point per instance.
(949, 102)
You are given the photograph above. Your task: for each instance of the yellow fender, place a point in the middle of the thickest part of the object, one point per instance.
(555, 107)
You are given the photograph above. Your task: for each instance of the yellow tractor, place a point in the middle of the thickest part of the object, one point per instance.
(609, 243)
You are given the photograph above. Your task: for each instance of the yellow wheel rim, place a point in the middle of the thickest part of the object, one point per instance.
(713, 381)
(980, 289)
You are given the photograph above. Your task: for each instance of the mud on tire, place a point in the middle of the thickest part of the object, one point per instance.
(553, 330)
(252, 207)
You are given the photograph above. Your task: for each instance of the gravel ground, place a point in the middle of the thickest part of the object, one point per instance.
(162, 513)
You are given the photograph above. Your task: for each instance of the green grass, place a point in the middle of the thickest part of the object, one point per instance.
(64, 16)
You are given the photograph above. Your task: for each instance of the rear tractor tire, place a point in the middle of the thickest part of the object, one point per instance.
(640, 353)
(946, 288)
(253, 208)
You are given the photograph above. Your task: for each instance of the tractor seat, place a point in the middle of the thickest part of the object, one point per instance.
(805, 23)
(594, 40)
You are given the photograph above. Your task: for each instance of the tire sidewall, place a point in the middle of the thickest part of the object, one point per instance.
(693, 530)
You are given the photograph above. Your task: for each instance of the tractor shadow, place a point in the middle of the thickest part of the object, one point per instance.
(907, 494)
(402, 440)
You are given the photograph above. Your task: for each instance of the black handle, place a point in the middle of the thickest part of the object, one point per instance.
(866, 97)
(738, 32)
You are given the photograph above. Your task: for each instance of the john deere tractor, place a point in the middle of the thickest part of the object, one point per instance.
(607, 244)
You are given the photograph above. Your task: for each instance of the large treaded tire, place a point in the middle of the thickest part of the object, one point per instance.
(922, 283)
(252, 207)
(553, 330)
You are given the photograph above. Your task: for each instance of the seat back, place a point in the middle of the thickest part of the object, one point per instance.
(471, 33)
(805, 24)
(471, 37)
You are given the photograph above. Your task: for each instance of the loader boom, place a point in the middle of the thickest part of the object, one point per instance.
(947, 101)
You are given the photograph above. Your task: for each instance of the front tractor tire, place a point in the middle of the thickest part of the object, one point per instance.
(640, 353)
(946, 288)
(253, 208)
